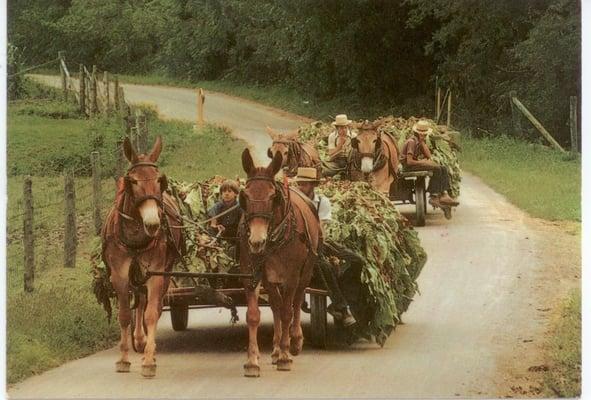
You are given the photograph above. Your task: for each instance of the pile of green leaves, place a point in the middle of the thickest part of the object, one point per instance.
(441, 142)
(368, 224)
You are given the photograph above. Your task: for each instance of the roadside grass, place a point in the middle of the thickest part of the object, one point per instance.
(537, 179)
(563, 378)
(61, 320)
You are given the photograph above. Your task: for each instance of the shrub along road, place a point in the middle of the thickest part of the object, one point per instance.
(492, 280)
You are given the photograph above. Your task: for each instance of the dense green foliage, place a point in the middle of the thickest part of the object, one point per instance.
(381, 53)
(541, 181)
(61, 320)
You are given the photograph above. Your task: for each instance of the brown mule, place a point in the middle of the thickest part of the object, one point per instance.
(295, 153)
(279, 239)
(376, 157)
(141, 234)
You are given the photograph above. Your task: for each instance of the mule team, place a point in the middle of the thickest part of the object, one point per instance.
(279, 233)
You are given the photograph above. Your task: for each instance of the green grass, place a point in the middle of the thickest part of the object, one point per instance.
(563, 378)
(61, 320)
(537, 179)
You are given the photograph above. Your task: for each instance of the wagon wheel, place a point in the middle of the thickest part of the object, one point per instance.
(179, 316)
(318, 320)
(420, 198)
(132, 325)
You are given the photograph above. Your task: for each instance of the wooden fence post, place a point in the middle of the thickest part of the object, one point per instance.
(95, 109)
(449, 110)
(60, 55)
(70, 238)
(574, 132)
(437, 97)
(96, 190)
(141, 133)
(82, 90)
(200, 103)
(120, 160)
(122, 105)
(537, 124)
(517, 129)
(107, 92)
(28, 238)
(116, 94)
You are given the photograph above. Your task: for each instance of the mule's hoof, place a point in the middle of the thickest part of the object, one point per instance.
(295, 348)
(283, 365)
(274, 359)
(139, 347)
(252, 371)
(149, 371)
(122, 366)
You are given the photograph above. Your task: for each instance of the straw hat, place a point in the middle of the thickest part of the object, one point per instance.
(307, 174)
(422, 127)
(341, 120)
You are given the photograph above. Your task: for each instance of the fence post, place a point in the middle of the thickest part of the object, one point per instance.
(116, 94)
(70, 238)
(537, 124)
(95, 109)
(96, 190)
(574, 142)
(437, 97)
(60, 55)
(200, 103)
(29, 240)
(517, 130)
(82, 90)
(120, 160)
(107, 92)
(121, 99)
(141, 133)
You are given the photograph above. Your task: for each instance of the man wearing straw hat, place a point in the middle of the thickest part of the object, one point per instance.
(416, 156)
(339, 146)
(307, 180)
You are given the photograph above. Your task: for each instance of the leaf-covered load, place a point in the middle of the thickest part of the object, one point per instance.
(441, 141)
(363, 221)
(366, 222)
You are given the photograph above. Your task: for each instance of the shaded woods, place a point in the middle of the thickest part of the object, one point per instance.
(376, 53)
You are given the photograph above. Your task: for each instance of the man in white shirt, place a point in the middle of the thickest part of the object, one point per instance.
(307, 180)
(339, 146)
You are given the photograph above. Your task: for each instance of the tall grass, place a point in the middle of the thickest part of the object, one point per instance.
(60, 320)
(541, 181)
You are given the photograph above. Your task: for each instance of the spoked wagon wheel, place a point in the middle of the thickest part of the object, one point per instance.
(179, 316)
(420, 198)
(318, 320)
(133, 313)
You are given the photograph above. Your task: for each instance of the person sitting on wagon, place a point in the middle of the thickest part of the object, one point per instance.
(307, 180)
(226, 225)
(416, 156)
(339, 146)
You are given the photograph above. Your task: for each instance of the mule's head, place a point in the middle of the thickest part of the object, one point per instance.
(280, 144)
(145, 184)
(368, 144)
(259, 199)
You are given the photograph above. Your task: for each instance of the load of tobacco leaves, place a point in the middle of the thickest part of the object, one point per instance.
(442, 142)
(366, 222)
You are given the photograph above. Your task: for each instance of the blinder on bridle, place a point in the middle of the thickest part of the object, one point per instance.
(242, 200)
(129, 181)
(376, 150)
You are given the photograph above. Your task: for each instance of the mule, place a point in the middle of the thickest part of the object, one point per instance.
(141, 233)
(295, 153)
(279, 239)
(375, 155)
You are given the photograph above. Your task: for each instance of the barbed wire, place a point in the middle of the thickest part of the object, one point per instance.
(33, 67)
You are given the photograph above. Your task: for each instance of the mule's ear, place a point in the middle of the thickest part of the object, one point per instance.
(355, 142)
(155, 153)
(129, 151)
(247, 163)
(275, 165)
(272, 133)
(269, 153)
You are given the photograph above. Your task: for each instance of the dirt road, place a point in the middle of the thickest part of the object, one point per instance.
(474, 331)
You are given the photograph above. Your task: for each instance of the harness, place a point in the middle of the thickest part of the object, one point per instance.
(295, 150)
(280, 235)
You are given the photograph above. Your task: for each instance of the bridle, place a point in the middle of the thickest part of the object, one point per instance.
(265, 215)
(156, 197)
